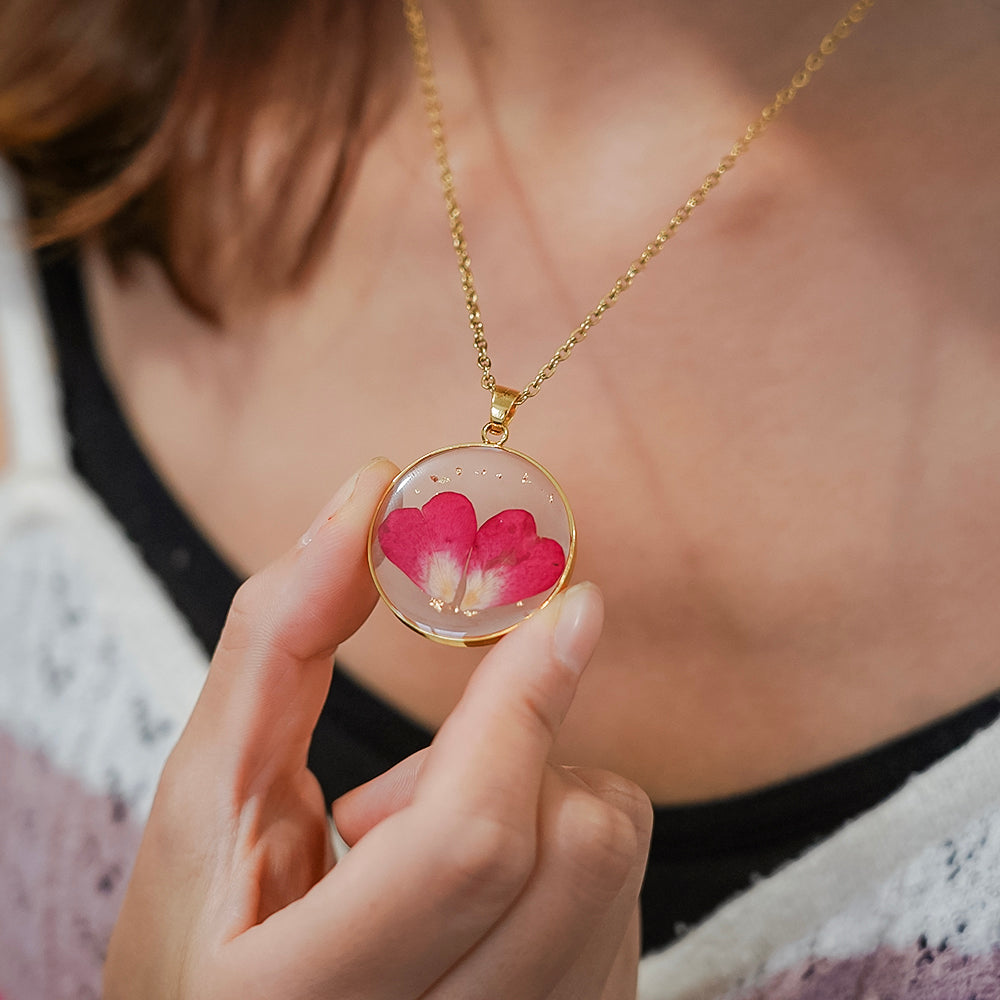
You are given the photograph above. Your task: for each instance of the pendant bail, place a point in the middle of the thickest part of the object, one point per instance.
(502, 408)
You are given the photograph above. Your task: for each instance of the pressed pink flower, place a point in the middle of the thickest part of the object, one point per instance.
(509, 562)
(431, 545)
(440, 550)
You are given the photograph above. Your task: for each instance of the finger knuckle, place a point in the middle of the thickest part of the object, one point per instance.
(600, 844)
(173, 790)
(628, 797)
(171, 781)
(491, 857)
(540, 707)
(174, 829)
(243, 620)
(622, 793)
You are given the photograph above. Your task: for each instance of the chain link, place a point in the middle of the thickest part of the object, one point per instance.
(432, 104)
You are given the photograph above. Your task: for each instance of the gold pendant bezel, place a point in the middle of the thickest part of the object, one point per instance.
(469, 640)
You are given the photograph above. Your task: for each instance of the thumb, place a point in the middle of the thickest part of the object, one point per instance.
(271, 670)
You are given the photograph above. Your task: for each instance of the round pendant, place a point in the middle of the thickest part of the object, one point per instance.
(469, 541)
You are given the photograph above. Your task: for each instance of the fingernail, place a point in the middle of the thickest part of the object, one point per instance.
(339, 499)
(578, 628)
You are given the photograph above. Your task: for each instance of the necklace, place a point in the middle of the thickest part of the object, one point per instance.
(470, 540)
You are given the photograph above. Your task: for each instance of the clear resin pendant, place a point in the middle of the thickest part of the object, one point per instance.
(469, 541)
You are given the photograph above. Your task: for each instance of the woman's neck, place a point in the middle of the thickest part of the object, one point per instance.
(563, 62)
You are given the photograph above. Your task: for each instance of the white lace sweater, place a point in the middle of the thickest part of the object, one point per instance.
(98, 673)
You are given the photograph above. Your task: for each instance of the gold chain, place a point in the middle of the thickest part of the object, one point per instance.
(432, 103)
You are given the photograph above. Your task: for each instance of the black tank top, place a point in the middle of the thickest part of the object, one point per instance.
(701, 854)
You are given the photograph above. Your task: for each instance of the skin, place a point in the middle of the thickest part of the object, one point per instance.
(779, 446)
(463, 858)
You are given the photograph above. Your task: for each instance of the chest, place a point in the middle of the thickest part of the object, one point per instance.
(780, 446)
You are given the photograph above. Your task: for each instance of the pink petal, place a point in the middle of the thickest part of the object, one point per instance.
(431, 545)
(509, 562)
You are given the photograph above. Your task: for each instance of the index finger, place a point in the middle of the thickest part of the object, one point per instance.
(423, 886)
(488, 757)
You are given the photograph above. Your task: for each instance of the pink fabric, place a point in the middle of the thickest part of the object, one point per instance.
(65, 854)
(928, 971)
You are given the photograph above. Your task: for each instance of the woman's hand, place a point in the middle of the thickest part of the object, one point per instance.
(478, 869)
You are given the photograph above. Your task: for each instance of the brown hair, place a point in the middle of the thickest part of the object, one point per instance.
(216, 136)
